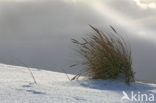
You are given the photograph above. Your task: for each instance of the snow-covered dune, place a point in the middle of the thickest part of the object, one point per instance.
(16, 86)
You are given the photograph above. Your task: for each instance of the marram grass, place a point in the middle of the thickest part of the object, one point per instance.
(105, 56)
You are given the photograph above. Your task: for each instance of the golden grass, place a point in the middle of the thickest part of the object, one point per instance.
(106, 56)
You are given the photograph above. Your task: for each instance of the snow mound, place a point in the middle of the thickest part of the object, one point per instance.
(16, 86)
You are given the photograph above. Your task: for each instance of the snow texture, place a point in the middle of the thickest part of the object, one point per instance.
(16, 86)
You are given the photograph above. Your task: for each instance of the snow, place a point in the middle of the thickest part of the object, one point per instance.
(16, 86)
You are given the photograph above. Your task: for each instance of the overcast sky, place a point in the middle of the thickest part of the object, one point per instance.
(25, 18)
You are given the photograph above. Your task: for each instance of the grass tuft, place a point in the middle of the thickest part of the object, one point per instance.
(106, 55)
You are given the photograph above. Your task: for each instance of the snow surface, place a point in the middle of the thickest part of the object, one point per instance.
(16, 86)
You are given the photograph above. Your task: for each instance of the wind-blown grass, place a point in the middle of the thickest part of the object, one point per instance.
(106, 55)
